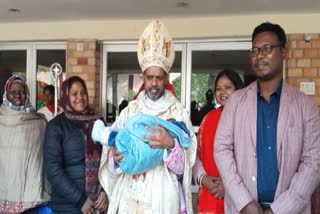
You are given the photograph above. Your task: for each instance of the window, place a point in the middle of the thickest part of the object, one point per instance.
(13, 60)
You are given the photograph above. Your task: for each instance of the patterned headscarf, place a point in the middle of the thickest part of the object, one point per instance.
(93, 150)
(87, 114)
(27, 107)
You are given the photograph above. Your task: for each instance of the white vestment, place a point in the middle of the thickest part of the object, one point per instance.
(156, 191)
(48, 114)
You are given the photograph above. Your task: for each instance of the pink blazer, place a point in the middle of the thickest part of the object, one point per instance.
(298, 150)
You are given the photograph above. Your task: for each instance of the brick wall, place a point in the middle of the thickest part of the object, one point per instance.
(83, 59)
(303, 62)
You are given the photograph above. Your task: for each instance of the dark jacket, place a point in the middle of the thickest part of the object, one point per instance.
(64, 160)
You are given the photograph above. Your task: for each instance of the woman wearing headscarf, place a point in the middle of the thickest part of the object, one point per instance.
(205, 171)
(21, 145)
(71, 157)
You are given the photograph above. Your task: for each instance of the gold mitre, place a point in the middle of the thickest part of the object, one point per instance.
(156, 47)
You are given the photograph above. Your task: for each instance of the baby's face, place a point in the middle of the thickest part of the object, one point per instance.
(171, 120)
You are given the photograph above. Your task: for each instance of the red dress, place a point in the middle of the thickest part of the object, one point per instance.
(207, 202)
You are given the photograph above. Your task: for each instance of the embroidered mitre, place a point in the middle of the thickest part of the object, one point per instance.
(156, 47)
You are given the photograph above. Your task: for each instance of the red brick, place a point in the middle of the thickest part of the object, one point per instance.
(76, 69)
(91, 76)
(82, 61)
(70, 53)
(293, 44)
(291, 63)
(92, 45)
(303, 44)
(91, 92)
(71, 45)
(72, 61)
(296, 81)
(89, 69)
(297, 53)
(90, 84)
(85, 45)
(315, 62)
(303, 79)
(303, 63)
(92, 61)
(316, 81)
(295, 72)
(292, 81)
(89, 53)
(311, 53)
(310, 72)
(86, 66)
(315, 43)
(78, 54)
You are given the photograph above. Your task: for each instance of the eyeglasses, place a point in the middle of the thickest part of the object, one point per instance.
(15, 93)
(265, 50)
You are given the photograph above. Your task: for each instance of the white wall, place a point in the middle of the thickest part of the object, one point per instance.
(180, 28)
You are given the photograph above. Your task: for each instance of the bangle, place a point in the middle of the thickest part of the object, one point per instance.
(200, 179)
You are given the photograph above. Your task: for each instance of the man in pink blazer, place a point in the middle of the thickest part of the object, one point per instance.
(267, 146)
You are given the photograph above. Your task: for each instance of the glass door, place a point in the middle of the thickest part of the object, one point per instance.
(27, 59)
(204, 61)
(13, 60)
(45, 54)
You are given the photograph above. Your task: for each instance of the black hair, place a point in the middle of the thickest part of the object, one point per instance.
(232, 76)
(209, 95)
(74, 79)
(193, 104)
(274, 28)
(49, 88)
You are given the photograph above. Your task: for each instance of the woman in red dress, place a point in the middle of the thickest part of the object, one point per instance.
(205, 171)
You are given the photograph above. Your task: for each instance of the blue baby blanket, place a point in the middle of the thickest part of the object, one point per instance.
(139, 156)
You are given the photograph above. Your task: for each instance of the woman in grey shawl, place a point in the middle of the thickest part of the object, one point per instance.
(21, 145)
